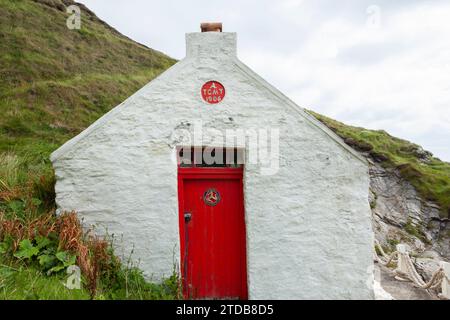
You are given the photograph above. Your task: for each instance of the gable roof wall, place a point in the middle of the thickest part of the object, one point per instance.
(197, 45)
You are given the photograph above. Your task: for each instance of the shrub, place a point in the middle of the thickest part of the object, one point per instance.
(51, 243)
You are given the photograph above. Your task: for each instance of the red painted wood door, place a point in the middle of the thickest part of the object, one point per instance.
(212, 231)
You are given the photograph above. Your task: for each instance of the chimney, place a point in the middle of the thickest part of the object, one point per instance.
(211, 42)
(211, 26)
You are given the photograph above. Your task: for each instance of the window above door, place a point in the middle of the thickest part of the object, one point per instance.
(210, 157)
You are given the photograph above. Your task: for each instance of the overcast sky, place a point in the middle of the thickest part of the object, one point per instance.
(377, 64)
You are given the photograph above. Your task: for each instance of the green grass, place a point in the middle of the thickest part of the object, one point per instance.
(130, 284)
(28, 283)
(429, 175)
(416, 231)
(19, 281)
(54, 82)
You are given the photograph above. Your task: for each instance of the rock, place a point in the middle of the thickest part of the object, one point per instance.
(429, 254)
(400, 290)
(426, 267)
(378, 157)
(423, 155)
(358, 145)
(380, 293)
(419, 245)
(401, 215)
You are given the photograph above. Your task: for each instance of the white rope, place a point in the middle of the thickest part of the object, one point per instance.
(387, 258)
(380, 248)
(411, 274)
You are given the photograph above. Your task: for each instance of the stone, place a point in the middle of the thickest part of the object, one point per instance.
(395, 203)
(426, 267)
(446, 281)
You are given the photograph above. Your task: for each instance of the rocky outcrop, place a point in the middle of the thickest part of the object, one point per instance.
(400, 215)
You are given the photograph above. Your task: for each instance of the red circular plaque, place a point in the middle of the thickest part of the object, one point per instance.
(213, 92)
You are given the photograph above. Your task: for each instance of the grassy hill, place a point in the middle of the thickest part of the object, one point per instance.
(54, 82)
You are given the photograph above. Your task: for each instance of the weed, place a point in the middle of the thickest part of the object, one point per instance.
(54, 84)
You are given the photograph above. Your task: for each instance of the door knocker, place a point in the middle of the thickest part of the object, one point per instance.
(211, 197)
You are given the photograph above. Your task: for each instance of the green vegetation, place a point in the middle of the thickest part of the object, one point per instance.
(18, 282)
(392, 244)
(35, 255)
(373, 202)
(430, 176)
(54, 83)
(416, 231)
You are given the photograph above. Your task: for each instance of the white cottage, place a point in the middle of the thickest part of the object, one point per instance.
(211, 168)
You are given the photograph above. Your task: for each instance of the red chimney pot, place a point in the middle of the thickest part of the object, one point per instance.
(211, 26)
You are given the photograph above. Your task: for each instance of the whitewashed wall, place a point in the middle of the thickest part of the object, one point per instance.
(308, 226)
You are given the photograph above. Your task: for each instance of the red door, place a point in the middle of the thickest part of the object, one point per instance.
(212, 232)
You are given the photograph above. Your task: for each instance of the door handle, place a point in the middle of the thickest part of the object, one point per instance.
(187, 217)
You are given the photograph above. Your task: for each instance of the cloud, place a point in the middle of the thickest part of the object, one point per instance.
(381, 65)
